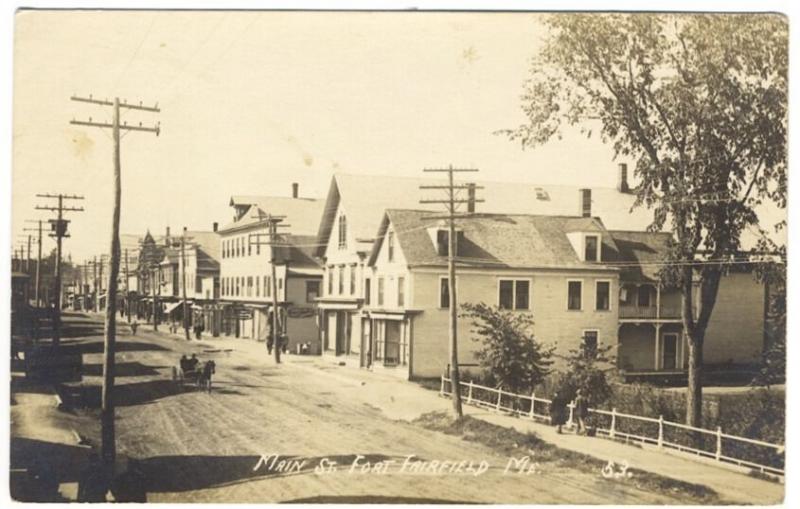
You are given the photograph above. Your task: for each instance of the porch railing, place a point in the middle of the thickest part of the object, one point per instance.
(649, 312)
(763, 456)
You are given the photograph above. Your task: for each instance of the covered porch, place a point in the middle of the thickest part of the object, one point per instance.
(651, 347)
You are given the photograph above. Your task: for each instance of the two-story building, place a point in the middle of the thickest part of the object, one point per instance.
(355, 206)
(651, 339)
(246, 285)
(576, 278)
(552, 267)
(201, 258)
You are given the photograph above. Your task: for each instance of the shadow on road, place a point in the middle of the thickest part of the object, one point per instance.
(170, 474)
(373, 499)
(129, 394)
(122, 346)
(123, 369)
(38, 467)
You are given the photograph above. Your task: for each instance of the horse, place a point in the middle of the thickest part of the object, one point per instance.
(204, 376)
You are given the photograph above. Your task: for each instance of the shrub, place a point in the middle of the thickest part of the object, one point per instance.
(510, 354)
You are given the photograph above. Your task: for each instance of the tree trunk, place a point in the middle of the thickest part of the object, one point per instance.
(694, 389)
(695, 330)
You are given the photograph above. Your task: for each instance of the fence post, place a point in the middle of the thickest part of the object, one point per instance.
(533, 403)
(469, 394)
(499, 396)
(571, 408)
(441, 388)
(718, 455)
(613, 422)
(660, 431)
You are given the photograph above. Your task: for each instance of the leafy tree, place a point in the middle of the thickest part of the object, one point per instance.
(699, 101)
(587, 368)
(510, 353)
(773, 359)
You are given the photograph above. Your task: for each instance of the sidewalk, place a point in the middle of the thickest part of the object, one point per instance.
(402, 400)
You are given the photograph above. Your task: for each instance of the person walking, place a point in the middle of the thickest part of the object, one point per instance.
(581, 411)
(558, 410)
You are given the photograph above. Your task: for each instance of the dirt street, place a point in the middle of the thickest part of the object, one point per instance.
(200, 447)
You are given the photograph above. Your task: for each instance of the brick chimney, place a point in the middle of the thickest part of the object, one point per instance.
(166, 237)
(622, 178)
(215, 226)
(295, 189)
(585, 203)
(470, 197)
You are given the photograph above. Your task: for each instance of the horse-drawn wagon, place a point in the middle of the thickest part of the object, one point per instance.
(194, 374)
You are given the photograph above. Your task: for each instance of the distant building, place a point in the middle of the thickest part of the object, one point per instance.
(246, 286)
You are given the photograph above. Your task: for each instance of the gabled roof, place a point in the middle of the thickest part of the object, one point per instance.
(303, 214)
(646, 249)
(299, 251)
(495, 240)
(206, 241)
(365, 197)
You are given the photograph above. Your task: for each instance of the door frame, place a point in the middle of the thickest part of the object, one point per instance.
(662, 353)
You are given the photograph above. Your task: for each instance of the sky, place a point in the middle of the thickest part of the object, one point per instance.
(253, 101)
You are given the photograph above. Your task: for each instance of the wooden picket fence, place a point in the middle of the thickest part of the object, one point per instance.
(716, 445)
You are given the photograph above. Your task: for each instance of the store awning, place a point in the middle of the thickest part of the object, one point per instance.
(172, 306)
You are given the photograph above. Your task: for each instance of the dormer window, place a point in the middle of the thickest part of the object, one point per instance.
(442, 241)
(591, 244)
(342, 232)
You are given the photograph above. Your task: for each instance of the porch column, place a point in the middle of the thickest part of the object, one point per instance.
(657, 363)
(658, 300)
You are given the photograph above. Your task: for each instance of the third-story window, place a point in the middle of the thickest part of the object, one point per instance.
(444, 293)
(268, 286)
(401, 291)
(367, 291)
(514, 294)
(380, 291)
(591, 244)
(390, 246)
(258, 286)
(603, 295)
(342, 232)
(352, 280)
(341, 279)
(575, 289)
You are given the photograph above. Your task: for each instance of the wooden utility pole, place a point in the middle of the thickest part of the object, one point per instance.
(272, 222)
(107, 406)
(183, 284)
(127, 289)
(100, 285)
(95, 289)
(59, 227)
(451, 202)
(38, 258)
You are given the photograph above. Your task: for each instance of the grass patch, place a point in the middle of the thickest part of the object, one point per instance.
(507, 442)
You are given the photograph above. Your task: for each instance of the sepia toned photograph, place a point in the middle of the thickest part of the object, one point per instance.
(398, 257)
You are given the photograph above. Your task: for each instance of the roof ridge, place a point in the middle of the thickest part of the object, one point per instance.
(477, 181)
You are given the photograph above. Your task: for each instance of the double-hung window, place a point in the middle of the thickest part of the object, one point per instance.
(590, 344)
(444, 293)
(591, 248)
(401, 291)
(603, 298)
(574, 295)
(514, 293)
